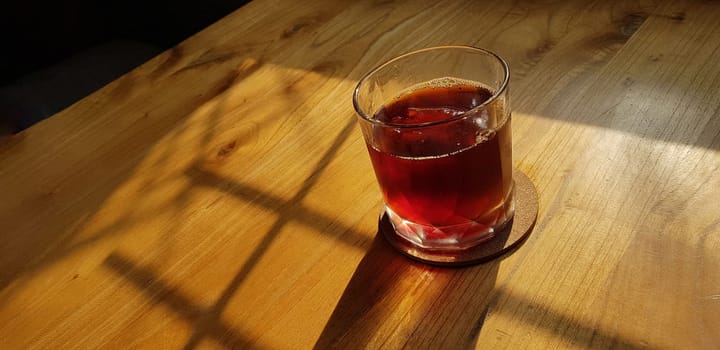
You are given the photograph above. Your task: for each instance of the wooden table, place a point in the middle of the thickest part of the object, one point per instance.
(221, 196)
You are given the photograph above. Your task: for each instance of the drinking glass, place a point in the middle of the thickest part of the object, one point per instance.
(436, 123)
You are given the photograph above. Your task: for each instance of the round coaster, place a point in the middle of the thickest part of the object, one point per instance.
(526, 209)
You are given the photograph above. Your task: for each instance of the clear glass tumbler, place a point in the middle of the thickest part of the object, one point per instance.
(437, 127)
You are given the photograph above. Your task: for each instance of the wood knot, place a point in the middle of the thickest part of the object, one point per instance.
(677, 16)
(539, 51)
(325, 67)
(655, 58)
(631, 23)
(304, 23)
(545, 47)
(628, 82)
(287, 33)
(227, 149)
(53, 192)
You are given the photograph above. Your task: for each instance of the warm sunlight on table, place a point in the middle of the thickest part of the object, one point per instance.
(221, 195)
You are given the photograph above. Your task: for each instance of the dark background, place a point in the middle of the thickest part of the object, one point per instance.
(56, 52)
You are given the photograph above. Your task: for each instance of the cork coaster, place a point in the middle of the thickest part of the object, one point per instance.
(526, 209)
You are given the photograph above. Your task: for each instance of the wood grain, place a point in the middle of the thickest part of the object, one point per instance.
(220, 195)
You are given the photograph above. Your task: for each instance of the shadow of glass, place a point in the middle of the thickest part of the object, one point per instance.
(394, 302)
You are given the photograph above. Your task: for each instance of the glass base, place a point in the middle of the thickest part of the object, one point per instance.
(454, 237)
(489, 246)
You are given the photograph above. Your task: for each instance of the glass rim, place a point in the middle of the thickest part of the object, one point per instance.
(500, 90)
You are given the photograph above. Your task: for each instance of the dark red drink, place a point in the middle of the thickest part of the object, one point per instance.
(450, 181)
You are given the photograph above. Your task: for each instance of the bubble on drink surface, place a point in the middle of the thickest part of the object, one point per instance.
(444, 82)
(449, 111)
(449, 82)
